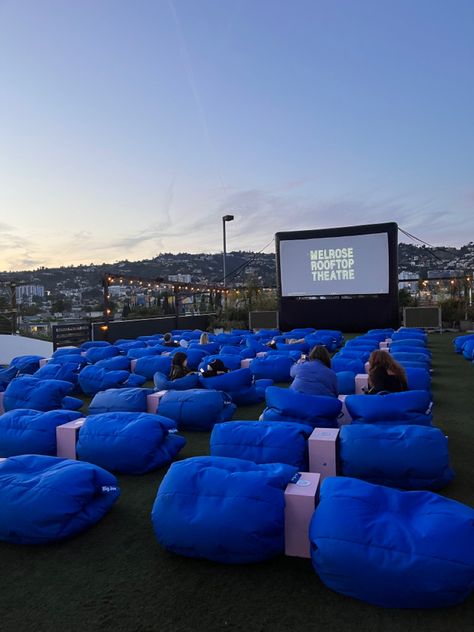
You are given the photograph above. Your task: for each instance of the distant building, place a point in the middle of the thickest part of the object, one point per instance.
(26, 292)
(180, 278)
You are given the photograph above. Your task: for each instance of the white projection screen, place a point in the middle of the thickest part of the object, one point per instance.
(335, 266)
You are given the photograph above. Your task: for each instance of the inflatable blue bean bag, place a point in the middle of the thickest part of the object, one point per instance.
(419, 358)
(117, 363)
(408, 457)
(6, 376)
(26, 364)
(67, 372)
(94, 354)
(231, 361)
(405, 335)
(230, 350)
(30, 392)
(210, 347)
(134, 354)
(347, 363)
(237, 384)
(409, 407)
(468, 350)
(77, 359)
(194, 356)
(346, 382)
(300, 332)
(392, 548)
(125, 347)
(409, 342)
(44, 499)
(418, 379)
(132, 400)
(66, 351)
(25, 431)
(97, 344)
(93, 379)
(263, 442)
(196, 409)
(162, 383)
(240, 332)
(228, 339)
(411, 350)
(460, 341)
(149, 365)
(129, 443)
(329, 342)
(236, 509)
(274, 367)
(256, 346)
(317, 411)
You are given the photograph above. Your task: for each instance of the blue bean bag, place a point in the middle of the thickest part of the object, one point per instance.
(194, 356)
(295, 346)
(26, 364)
(209, 347)
(409, 407)
(409, 457)
(418, 379)
(162, 383)
(263, 442)
(237, 384)
(134, 354)
(228, 339)
(346, 363)
(222, 509)
(274, 367)
(392, 548)
(25, 431)
(44, 499)
(117, 363)
(468, 350)
(30, 392)
(420, 358)
(97, 344)
(229, 350)
(329, 342)
(70, 358)
(93, 379)
(71, 403)
(66, 351)
(414, 343)
(6, 376)
(149, 365)
(460, 341)
(231, 362)
(405, 335)
(125, 345)
(317, 411)
(133, 400)
(94, 354)
(196, 409)
(346, 382)
(418, 351)
(68, 372)
(129, 443)
(354, 353)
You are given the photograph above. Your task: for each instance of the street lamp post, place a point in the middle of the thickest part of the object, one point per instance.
(226, 218)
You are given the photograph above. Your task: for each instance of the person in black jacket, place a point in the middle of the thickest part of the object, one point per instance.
(386, 375)
(168, 341)
(215, 367)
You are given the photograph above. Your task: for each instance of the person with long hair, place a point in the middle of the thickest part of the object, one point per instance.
(204, 338)
(313, 375)
(179, 366)
(386, 375)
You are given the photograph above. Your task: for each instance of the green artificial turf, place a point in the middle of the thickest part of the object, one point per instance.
(116, 577)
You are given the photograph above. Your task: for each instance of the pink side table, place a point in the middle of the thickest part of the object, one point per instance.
(322, 449)
(66, 438)
(300, 500)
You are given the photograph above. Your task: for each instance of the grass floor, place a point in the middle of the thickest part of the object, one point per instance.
(116, 577)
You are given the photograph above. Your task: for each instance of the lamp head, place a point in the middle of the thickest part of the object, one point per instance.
(227, 218)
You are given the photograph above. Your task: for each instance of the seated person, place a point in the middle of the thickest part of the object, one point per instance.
(313, 375)
(386, 375)
(204, 338)
(272, 344)
(179, 366)
(168, 341)
(215, 367)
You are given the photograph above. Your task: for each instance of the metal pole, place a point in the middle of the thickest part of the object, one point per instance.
(224, 253)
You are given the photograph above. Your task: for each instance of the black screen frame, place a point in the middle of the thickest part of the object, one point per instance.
(350, 313)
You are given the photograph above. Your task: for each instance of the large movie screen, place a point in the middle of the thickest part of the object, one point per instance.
(329, 266)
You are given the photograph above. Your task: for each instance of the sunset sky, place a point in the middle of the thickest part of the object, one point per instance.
(129, 127)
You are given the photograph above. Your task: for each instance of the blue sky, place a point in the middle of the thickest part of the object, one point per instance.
(128, 128)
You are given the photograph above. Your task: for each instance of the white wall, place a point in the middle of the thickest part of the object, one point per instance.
(11, 346)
